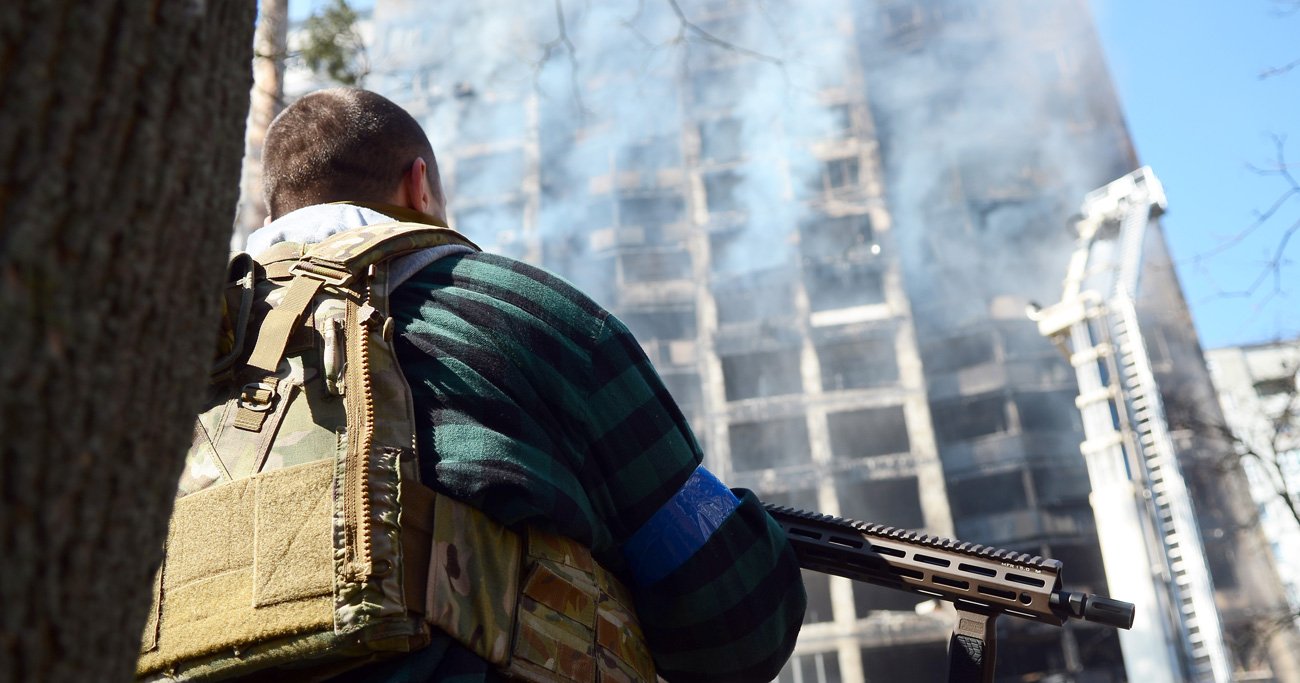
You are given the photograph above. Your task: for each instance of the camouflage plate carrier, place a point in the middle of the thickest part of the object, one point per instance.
(303, 543)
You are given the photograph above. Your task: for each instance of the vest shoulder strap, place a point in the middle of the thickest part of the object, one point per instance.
(345, 255)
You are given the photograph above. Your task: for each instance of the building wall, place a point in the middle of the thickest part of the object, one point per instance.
(1257, 392)
(823, 221)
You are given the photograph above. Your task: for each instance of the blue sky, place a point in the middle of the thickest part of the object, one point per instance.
(1188, 76)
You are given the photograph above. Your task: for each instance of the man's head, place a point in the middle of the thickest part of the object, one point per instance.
(348, 145)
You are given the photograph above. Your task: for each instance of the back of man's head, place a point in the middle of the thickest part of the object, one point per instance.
(337, 145)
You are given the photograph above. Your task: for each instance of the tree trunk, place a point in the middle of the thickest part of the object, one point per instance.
(120, 137)
(270, 46)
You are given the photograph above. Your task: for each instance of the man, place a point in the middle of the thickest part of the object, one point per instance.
(538, 407)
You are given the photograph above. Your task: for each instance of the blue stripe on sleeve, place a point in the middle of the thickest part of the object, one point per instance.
(679, 528)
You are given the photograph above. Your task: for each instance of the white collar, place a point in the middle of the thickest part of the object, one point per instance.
(312, 224)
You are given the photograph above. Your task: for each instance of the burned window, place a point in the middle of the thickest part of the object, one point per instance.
(968, 418)
(839, 285)
(814, 667)
(818, 586)
(1036, 657)
(720, 191)
(761, 248)
(829, 237)
(896, 502)
(1222, 562)
(1061, 485)
(771, 443)
(841, 173)
(489, 175)
(872, 431)
(1048, 411)
(660, 324)
(568, 256)
(685, 390)
(761, 374)
(655, 266)
(749, 299)
(1275, 387)
(1022, 340)
(857, 364)
(1001, 184)
(720, 140)
(957, 353)
(651, 210)
(803, 499)
(868, 598)
(986, 495)
(650, 155)
(1084, 560)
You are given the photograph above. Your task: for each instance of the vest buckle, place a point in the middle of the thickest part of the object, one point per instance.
(257, 396)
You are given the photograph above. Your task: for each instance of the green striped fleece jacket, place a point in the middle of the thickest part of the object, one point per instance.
(537, 406)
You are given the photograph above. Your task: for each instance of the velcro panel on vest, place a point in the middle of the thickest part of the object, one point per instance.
(547, 613)
(557, 619)
(621, 652)
(293, 552)
(473, 579)
(575, 619)
(548, 649)
(243, 566)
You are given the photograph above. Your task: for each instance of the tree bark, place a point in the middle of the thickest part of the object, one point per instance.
(270, 47)
(120, 138)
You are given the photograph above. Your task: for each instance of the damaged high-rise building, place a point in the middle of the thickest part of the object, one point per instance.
(825, 220)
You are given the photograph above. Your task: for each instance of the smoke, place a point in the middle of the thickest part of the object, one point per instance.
(991, 120)
(759, 142)
(991, 135)
(605, 101)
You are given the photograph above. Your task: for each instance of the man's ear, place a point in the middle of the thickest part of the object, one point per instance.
(415, 187)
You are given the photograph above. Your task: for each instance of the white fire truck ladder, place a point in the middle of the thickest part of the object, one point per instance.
(1150, 544)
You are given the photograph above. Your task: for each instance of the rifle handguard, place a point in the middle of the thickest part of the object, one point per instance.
(976, 578)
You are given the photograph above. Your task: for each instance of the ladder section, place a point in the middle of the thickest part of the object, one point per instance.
(1192, 592)
(1124, 530)
(1150, 543)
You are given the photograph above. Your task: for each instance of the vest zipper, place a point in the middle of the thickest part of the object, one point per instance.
(361, 414)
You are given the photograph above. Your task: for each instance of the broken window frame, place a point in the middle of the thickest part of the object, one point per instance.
(771, 373)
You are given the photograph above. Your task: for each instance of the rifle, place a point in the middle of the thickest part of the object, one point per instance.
(983, 582)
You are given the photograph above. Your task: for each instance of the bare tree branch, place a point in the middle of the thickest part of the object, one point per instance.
(563, 42)
(689, 27)
(1278, 70)
(630, 24)
(1271, 268)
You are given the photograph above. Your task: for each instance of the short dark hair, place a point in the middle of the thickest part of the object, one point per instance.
(340, 144)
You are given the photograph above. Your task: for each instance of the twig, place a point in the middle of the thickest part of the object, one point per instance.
(687, 26)
(562, 40)
(1278, 70)
(1271, 267)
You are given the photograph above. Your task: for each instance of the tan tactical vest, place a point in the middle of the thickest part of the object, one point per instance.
(303, 543)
